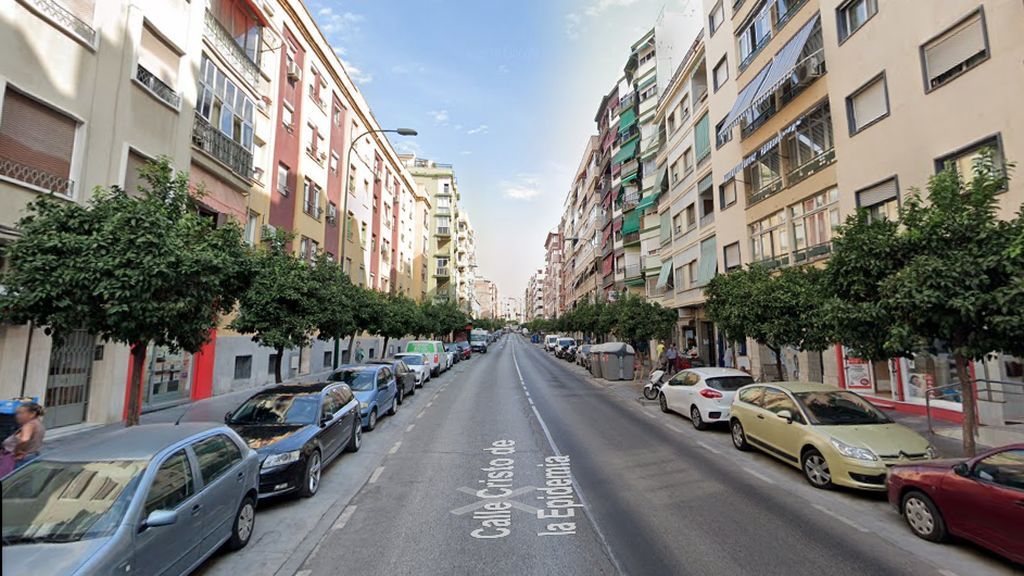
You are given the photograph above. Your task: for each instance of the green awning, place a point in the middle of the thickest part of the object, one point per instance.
(666, 269)
(631, 222)
(630, 178)
(627, 152)
(708, 264)
(627, 119)
(648, 201)
(647, 82)
(702, 137)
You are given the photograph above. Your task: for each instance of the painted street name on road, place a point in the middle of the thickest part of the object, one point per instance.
(493, 511)
(559, 497)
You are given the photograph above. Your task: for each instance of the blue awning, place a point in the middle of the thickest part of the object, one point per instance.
(746, 96)
(784, 62)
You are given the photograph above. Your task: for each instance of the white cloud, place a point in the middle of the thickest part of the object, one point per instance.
(572, 25)
(503, 69)
(408, 147)
(524, 188)
(439, 116)
(481, 129)
(343, 24)
(602, 5)
(467, 152)
(357, 74)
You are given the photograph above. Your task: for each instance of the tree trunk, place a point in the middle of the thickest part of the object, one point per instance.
(970, 423)
(277, 367)
(778, 361)
(138, 356)
(351, 346)
(384, 348)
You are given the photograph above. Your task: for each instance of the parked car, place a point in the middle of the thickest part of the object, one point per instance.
(374, 387)
(980, 499)
(834, 436)
(583, 355)
(433, 350)
(154, 499)
(404, 376)
(453, 350)
(465, 349)
(704, 394)
(449, 359)
(418, 364)
(550, 341)
(562, 345)
(479, 341)
(297, 430)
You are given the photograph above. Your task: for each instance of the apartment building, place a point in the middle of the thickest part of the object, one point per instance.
(581, 231)
(533, 302)
(486, 294)
(553, 275)
(512, 309)
(249, 97)
(465, 265)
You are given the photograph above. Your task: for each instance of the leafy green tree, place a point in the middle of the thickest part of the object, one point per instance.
(283, 305)
(399, 319)
(336, 320)
(426, 320)
(130, 269)
(450, 318)
(946, 275)
(367, 313)
(639, 321)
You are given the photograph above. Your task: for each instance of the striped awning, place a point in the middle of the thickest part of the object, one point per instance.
(784, 62)
(746, 96)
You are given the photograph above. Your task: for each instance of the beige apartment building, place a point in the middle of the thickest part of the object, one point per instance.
(486, 294)
(581, 231)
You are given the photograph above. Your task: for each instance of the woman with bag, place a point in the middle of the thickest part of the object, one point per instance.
(24, 445)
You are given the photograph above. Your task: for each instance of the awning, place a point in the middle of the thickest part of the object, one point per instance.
(666, 269)
(745, 98)
(650, 80)
(627, 119)
(627, 179)
(627, 151)
(648, 201)
(631, 222)
(708, 261)
(784, 62)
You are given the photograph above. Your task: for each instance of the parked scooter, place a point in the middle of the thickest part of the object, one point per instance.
(570, 354)
(653, 386)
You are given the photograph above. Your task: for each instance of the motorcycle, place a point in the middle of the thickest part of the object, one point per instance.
(653, 386)
(570, 354)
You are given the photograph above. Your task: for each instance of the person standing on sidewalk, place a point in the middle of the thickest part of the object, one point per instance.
(24, 445)
(670, 356)
(360, 355)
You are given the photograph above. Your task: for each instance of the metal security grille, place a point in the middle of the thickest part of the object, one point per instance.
(67, 385)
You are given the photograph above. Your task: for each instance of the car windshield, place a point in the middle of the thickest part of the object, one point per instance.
(51, 501)
(412, 360)
(840, 408)
(728, 383)
(278, 408)
(356, 379)
(566, 341)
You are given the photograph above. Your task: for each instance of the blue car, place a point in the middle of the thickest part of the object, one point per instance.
(375, 388)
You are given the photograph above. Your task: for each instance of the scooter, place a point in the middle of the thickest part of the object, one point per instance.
(653, 386)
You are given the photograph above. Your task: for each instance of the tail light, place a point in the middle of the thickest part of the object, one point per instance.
(436, 359)
(710, 393)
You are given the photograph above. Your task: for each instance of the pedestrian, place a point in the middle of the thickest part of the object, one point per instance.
(360, 355)
(671, 355)
(24, 445)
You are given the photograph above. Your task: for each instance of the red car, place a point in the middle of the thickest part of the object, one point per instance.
(980, 499)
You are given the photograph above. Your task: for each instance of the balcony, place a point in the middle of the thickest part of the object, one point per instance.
(769, 189)
(157, 86)
(65, 18)
(631, 238)
(209, 139)
(630, 200)
(443, 210)
(442, 272)
(812, 253)
(230, 50)
(444, 231)
(707, 219)
(312, 209)
(36, 177)
(808, 168)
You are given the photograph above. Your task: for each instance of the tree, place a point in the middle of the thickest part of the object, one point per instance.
(426, 320)
(283, 305)
(947, 276)
(367, 313)
(336, 320)
(399, 319)
(450, 318)
(639, 321)
(774, 308)
(129, 269)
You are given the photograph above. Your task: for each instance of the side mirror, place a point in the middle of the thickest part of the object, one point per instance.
(962, 469)
(785, 415)
(227, 417)
(327, 417)
(159, 518)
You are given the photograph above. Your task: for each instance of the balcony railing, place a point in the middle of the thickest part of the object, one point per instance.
(36, 177)
(631, 238)
(157, 86)
(766, 191)
(231, 51)
(811, 166)
(64, 17)
(443, 271)
(812, 253)
(209, 139)
(444, 231)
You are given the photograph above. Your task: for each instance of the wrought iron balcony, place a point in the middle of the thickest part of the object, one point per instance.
(65, 18)
(231, 51)
(157, 86)
(36, 177)
(209, 139)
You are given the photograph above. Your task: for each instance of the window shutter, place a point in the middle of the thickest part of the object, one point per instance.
(157, 56)
(37, 136)
(881, 192)
(869, 104)
(956, 46)
(702, 137)
(132, 180)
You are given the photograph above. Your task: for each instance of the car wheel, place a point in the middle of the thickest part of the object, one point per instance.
(923, 516)
(394, 407)
(355, 442)
(371, 420)
(816, 469)
(415, 385)
(696, 419)
(245, 522)
(311, 479)
(739, 438)
(663, 402)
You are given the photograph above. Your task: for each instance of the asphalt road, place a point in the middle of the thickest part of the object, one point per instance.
(454, 484)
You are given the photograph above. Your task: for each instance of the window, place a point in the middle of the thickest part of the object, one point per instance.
(853, 15)
(684, 108)
(751, 395)
(37, 143)
(776, 401)
(727, 193)
(702, 137)
(328, 358)
(224, 105)
(755, 34)
(283, 179)
(955, 51)
(334, 163)
(158, 65)
(677, 223)
(768, 238)
(272, 364)
(732, 256)
(962, 161)
(764, 175)
(243, 367)
(172, 485)
(287, 116)
(216, 455)
(687, 161)
(868, 104)
(720, 74)
(880, 200)
(311, 198)
(691, 216)
(722, 136)
(242, 24)
(671, 122)
(1004, 468)
(132, 173)
(813, 221)
(716, 18)
(332, 213)
(304, 248)
(691, 274)
(811, 139)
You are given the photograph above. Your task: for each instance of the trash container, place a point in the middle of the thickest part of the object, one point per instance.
(617, 361)
(595, 360)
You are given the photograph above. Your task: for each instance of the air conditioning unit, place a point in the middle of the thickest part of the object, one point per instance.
(293, 70)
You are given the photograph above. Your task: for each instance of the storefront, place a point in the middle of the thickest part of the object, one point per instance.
(168, 378)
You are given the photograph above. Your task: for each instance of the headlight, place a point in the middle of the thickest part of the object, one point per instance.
(363, 405)
(281, 459)
(853, 451)
(932, 452)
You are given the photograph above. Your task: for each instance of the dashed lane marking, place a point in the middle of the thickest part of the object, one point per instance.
(376, 474)
(676, 428)
(395, 447)
(429, 404)
(709, 447)
(649, 414)
(842, 519)
(410, 427)
(759, 476)
(420, 415)
(303, 573)
(343, 519)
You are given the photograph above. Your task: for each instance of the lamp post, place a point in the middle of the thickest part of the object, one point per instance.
(344, 205)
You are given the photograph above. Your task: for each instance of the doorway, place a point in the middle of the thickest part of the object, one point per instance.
(67, 384)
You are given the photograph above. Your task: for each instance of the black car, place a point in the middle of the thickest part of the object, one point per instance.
(297, 429)
(404, 376)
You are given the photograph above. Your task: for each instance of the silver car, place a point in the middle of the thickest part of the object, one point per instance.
(154, 499)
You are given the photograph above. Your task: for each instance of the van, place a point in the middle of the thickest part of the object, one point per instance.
(433, 351)
(550, 341)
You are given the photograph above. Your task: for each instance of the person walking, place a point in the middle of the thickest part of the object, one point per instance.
(670, 357)
(24, 445)
(661, 354)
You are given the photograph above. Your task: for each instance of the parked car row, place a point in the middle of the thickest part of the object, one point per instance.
(172, 495)
(837, 438)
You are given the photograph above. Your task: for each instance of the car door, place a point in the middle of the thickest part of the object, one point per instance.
(987, 505)
(219, 461)
(784, 436)
(402, 375)
(679, 390)
(386, 389)
(171, 549)
(348, 412)
(331, 430)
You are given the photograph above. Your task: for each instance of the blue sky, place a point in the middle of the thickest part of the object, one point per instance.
(505, 90)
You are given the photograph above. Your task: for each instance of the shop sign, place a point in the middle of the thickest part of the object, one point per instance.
(858, 374)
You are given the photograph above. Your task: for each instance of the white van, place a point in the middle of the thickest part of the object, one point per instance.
(433, 351)
(550, 341)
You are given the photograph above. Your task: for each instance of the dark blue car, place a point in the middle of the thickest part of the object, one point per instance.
(374, 386)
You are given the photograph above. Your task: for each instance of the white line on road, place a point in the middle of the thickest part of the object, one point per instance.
(343, 519)
(945, 572)
(676, 428)
(410, 427)
(649, 414)
(842, 519)
(303, 573)
(420, 415)
(395, 447)
(429, 404)
(759, 476)
(376, 474)
(708, 447)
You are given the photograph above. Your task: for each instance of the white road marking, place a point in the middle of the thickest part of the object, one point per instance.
(676, 428)
(759, 476)
(842, 519)
(303, 573)
(649, 414)
(945, 572)
(429, 404)
(343, 519)
(395, 447)
(376, 474)
(709, 447)
(410, 427)
(420, 415)
(530, 400)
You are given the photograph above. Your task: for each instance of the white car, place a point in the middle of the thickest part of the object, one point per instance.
(704, 394)
(550, 341)
(433, 351)
(418, 364)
